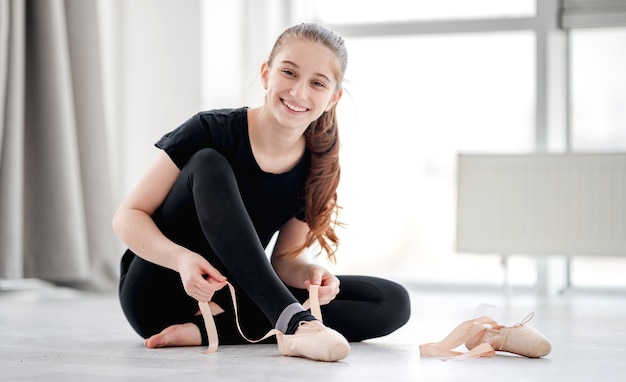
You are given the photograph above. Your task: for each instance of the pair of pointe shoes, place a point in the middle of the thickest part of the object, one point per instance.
(483, 337)
(311, 340)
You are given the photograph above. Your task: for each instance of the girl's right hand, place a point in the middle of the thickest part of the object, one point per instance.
(200, 279)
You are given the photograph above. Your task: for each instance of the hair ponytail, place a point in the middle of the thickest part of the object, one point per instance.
(322, 209)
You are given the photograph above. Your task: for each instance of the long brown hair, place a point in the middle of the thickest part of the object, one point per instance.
(322, 138)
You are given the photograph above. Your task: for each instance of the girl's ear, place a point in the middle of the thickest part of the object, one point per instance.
(265, 69)
(334, 99)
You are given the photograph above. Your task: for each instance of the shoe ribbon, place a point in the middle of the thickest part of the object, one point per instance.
(211, 330)
(466, 330)
(462, 333)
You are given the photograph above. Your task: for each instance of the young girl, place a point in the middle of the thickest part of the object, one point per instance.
(225, 182)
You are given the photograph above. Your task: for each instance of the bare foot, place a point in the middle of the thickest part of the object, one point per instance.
(186, 334)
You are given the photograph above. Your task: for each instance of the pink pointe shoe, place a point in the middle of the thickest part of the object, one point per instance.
(518, 339)
(315, 341)
(311, 340)
(483, 337)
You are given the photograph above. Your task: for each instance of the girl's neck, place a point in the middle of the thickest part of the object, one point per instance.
(276, 148)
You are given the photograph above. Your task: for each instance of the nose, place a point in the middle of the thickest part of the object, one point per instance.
(298, 91)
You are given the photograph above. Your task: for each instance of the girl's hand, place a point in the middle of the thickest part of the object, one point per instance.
(329, 284)
(200, 279)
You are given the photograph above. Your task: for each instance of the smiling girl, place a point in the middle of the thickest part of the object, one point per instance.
(225, 182)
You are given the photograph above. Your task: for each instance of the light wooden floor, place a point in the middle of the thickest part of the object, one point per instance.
(63, 335)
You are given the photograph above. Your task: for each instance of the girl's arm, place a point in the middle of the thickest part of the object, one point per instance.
(299, 271)
(134, 225)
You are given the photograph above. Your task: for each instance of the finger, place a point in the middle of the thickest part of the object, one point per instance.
(329, 293)
(204, 289)
(326, 300)
(212, 285)
(202, 293)
(330, 280)
(212, 273)
(317, 276)
(208, 283)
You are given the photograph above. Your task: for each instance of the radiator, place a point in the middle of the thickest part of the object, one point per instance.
(542, 204)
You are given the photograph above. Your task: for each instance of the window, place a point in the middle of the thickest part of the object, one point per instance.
(413, 103)
(375, 11)
(598, 80)
(598, 123)
(438, 91)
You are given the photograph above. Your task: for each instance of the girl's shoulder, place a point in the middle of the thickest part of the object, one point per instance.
(221, 129)
(224, 117)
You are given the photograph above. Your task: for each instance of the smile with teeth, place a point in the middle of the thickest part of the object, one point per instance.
(294, 107)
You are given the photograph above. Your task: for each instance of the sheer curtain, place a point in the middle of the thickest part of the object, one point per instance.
(55, 188)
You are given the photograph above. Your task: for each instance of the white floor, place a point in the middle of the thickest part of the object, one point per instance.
(63, 335)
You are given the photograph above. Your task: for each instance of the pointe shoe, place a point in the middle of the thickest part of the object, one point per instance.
(483, 336)
(518, 339)
(314, 341)
(311, 340)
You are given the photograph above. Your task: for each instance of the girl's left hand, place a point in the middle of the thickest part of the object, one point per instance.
(329, 284)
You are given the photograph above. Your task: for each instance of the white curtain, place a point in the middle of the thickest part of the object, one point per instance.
(55, 191)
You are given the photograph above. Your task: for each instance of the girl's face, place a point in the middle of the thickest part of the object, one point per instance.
(301, 83)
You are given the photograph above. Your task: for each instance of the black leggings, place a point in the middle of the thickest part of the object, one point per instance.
(206, 203)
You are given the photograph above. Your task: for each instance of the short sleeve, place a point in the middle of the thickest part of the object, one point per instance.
(180, 144)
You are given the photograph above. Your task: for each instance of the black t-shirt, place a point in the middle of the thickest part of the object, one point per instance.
(270, 199)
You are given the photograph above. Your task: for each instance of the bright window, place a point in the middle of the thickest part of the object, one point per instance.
(598, 118)
(598, 83)
(413, 103)
(363, 11)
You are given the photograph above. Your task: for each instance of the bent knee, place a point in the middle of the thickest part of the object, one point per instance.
(206, 156)
(397, 302)
(208, 162)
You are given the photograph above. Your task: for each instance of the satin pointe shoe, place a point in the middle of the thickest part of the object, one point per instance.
(483, 337)
(315, 341)
(311, 340)
(519, 339)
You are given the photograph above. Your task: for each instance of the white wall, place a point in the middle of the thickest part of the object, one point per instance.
(152, 59)
(165, 60)
(238, 36)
